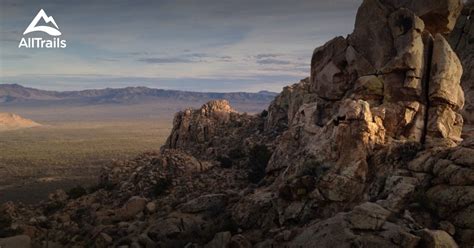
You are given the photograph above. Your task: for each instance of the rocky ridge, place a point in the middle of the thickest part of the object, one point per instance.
(14, 94)
(366, 152)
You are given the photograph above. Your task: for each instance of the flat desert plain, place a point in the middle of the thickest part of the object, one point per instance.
(71, 146)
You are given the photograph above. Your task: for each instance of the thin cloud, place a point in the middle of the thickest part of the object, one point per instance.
(267, 55)
(273, 62)
(107, 59)
(170, 60)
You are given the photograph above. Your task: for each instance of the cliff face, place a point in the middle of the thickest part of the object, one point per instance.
(366, 152)
(462, 40)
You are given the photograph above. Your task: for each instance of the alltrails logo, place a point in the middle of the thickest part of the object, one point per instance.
(38, 42)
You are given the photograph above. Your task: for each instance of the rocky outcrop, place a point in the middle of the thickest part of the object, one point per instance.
(366, 152)
(394, 88)
(384, 93)
(199, 131)
(283, 109)
(9, 121)
(365, 226)
(398, 72)
(449, 175)
(199, 126)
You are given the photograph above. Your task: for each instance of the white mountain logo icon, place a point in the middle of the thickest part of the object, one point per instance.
(47, 19)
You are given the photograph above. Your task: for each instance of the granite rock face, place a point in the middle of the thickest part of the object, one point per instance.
(285, 106)
(367, 151)
(446, 96)
(212, 130)
(462, 41)
(199, 126)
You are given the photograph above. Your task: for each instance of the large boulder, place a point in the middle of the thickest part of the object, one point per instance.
(372, 37)
(220, 240)
(205, 202)
(20, 241)
(360, 227)
(446, 71)
(283, 109)
(445, 95)
(368, 216)
(437, 239)
(132, 207)
(439, 16)
(177, 229)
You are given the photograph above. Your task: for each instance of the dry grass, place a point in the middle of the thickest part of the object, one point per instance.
(75, 149)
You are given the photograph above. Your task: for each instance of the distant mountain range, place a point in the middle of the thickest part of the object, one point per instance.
(14, 94)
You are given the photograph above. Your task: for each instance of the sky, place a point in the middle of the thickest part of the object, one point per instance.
(196, 45)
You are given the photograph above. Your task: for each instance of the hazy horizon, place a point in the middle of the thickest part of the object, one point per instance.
(205, 46)
(134, 86)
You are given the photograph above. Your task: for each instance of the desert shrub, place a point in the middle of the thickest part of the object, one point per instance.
(79, 215)
(5, 225)
(107, 185)
(259, 155)
(419, 196)
(236, 153)
(93, 188)
(53, 207)
(225, 161)
(76, 192)
(404, 153)
(233, 155)
(214, 211)
(409, 151)
(313, 168)
(261, 127)
(264, 113)
(162, 185)
(228, 223)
